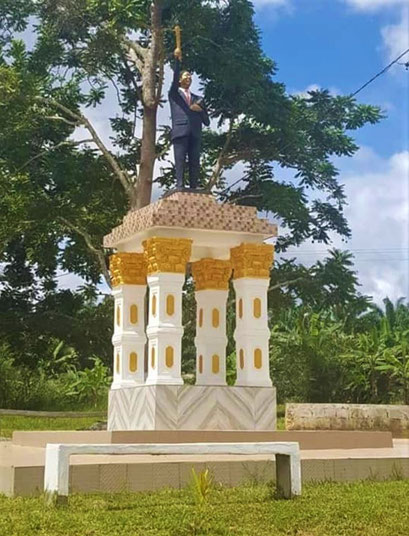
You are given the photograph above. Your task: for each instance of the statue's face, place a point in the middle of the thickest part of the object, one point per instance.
(185, 80)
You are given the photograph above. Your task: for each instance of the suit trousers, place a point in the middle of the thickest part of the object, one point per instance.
(187, 146)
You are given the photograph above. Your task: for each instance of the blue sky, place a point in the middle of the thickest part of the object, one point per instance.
(339, 45)
(335, 45)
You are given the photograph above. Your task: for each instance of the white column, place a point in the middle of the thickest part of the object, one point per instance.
(252, 333)
(129, 337)
(165, 328)
(211, 339)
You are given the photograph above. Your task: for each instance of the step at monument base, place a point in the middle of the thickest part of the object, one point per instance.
(325, 455)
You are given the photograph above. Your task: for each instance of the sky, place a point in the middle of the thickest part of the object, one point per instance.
(340, 45)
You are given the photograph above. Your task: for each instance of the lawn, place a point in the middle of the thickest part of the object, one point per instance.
(327, 509)
(9, 423)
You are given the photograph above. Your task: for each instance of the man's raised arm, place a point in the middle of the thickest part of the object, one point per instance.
(174, 88)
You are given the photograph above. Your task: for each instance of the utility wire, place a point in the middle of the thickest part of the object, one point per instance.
(359, 250)
(380, 72)
(396, 60)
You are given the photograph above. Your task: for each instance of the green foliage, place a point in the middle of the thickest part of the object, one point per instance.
(11, 423)
(8, 379)
(331, 284)
(324, 509)
(202, 485)
(317, 357)
(55, 384)
(59, 197)
(305, 350)
(396, 362)
(79, 55)
(35, 316)
(89, 386)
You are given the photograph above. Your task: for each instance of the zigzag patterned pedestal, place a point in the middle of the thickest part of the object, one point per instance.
(192, 407)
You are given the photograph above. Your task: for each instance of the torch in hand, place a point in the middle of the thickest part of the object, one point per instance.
(178, 50)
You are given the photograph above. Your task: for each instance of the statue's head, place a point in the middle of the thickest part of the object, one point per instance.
(185, 79)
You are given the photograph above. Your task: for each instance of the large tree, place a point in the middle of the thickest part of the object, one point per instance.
(61, 192)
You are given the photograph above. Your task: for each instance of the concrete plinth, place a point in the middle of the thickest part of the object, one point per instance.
(192, 407)
(329, 455)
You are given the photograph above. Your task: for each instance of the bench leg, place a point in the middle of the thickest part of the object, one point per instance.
(288, 475)
(56, 475)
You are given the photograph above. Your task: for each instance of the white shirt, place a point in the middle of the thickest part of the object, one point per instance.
(186, 94)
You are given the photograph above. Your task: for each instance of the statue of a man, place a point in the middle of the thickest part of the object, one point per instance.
(188, 115)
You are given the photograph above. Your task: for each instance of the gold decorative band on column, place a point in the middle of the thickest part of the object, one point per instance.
(252, 260)
(211, 274)
(127, 269)
(167, 254)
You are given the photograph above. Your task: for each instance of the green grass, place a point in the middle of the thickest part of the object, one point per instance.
(9, 423)
(327, 509)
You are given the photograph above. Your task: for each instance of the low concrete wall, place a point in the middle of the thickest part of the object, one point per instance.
(113, 477)
(347, 417)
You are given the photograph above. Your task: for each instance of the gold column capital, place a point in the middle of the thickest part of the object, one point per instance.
(252, 260)
(167, 254)
(127, 269)
(211, 274)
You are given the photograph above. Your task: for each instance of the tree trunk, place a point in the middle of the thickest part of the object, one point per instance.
(143, 189)
(151, 82)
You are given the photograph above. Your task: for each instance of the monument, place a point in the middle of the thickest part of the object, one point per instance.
(156, 246)
(151, 410)
(188, 114)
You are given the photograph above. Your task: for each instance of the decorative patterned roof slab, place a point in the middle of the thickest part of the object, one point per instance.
(191, 211)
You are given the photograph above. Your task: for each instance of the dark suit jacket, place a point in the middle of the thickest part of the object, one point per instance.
(185, 122)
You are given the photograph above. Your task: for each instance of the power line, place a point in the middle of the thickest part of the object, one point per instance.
(396, 60)
(355, 261)
(372, 250)
(380, 73)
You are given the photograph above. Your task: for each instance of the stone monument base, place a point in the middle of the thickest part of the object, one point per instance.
(192, 407)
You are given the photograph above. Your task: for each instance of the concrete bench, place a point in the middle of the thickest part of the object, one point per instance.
(57, 461)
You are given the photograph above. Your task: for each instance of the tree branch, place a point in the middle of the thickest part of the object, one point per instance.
(286, 283)
(80, 119)
(153, 53)
(136, 47)
(249, 196)
(133, 57)
(57, 146)
(59, 118)
(98, 253)
(137, 89)
(161, 74)
(221, 158)
(135, 52)
(236, 157)
(120, 173)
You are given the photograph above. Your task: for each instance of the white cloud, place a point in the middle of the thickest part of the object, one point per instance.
(396, 37)
(377, 191)
(68, 280)
(378, 214)
(373, 5)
